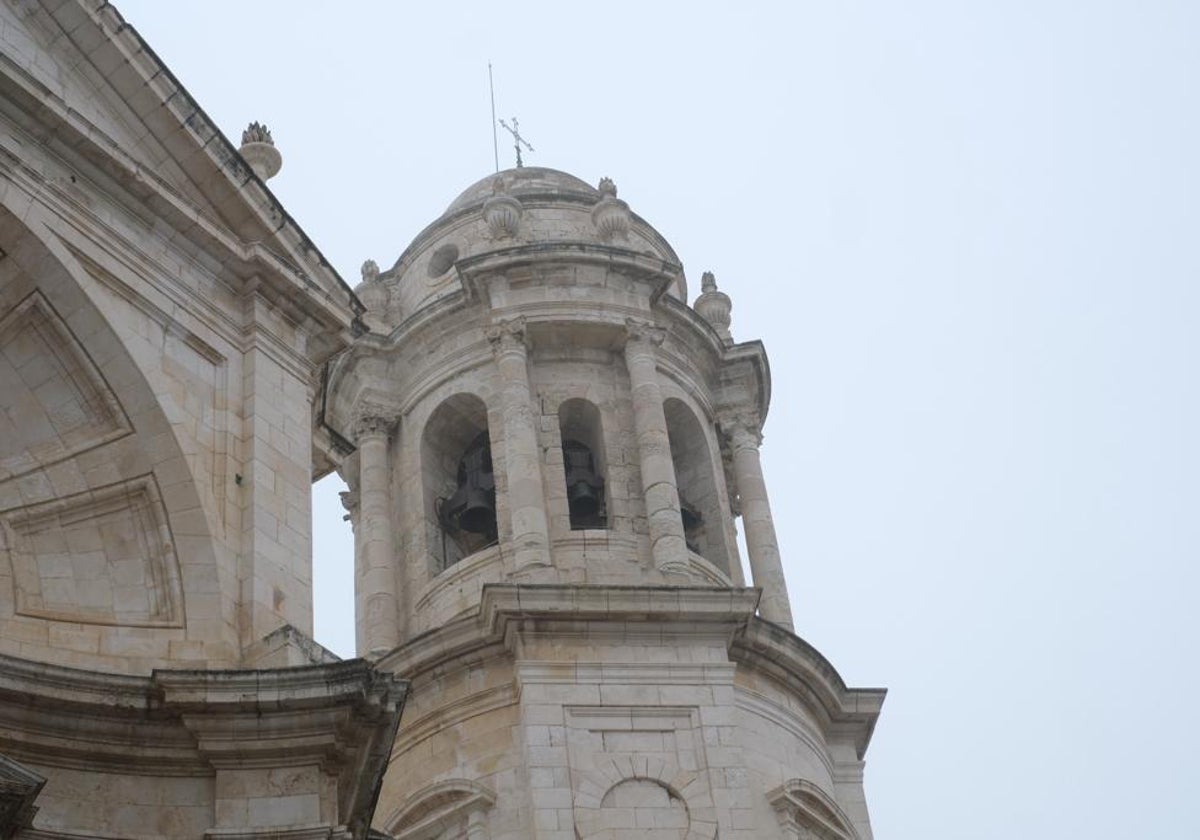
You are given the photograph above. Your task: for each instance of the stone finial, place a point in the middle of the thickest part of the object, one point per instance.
(257, 133)
(258, 150)
(502, 212)
(370, 271)
(611, 214)
(373, 294)
(714, 306)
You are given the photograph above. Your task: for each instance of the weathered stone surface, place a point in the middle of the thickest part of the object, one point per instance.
(547, 451)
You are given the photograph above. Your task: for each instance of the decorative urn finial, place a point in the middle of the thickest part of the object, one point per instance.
(258, 150)
(611, 214)
(502, 212)
(714, 306)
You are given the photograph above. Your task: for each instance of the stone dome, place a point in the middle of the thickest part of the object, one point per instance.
(531, 206)
(525, 180)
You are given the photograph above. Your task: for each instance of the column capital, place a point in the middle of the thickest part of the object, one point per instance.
(744, 430)
(507, 334)
(373, 421)
(638, 331)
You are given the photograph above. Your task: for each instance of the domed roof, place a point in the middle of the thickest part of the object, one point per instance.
(525, 180)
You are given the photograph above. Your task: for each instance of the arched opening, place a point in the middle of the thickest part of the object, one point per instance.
(459, 487)
(584, 465)
(695, 478)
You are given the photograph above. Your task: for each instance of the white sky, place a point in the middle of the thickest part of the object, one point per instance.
(966, 233)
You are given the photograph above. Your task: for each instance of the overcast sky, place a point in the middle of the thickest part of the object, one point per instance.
(966, 232)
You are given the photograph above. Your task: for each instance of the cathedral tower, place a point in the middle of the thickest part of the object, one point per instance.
(551, 451)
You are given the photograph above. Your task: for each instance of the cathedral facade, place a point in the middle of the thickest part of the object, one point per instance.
(547, 451)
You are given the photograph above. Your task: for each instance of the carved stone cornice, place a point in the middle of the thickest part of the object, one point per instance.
(186, 722)
(507, 335)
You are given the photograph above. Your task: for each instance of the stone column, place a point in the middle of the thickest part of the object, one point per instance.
(376, 596)
(667, 543)
(766, 566)
(522, 455)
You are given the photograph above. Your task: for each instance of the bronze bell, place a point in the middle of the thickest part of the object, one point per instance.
(472, 506)
(692, 520)
(585, 489)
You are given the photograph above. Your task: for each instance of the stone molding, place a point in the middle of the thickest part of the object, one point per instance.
(476, 270)
(268, 240)
(503, 605)
(190, 722)
(30, 538)
(315, 831)
(754, 642)
(787, 719)
(691, 787)
(800, 668)
(95, 416)
(806, 812)
(479, 703)
(431, 811)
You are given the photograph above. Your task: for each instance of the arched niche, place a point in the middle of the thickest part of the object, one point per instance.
(695, 476)
(584, 463)
(457, 481)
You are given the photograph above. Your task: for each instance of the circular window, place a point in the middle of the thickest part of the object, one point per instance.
(442, 260)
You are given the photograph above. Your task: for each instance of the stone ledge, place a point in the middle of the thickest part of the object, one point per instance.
(796, 664)
(187, 722)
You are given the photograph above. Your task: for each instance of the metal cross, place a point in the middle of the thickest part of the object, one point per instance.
(518, 140)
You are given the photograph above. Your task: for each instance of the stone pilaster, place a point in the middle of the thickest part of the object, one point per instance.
(766, 566)
(376, 598)
(526, 498)
(661, 493)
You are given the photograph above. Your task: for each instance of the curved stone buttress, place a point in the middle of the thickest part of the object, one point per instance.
(552, 451)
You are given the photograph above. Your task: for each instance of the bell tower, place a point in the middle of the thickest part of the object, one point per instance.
(552, 452)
